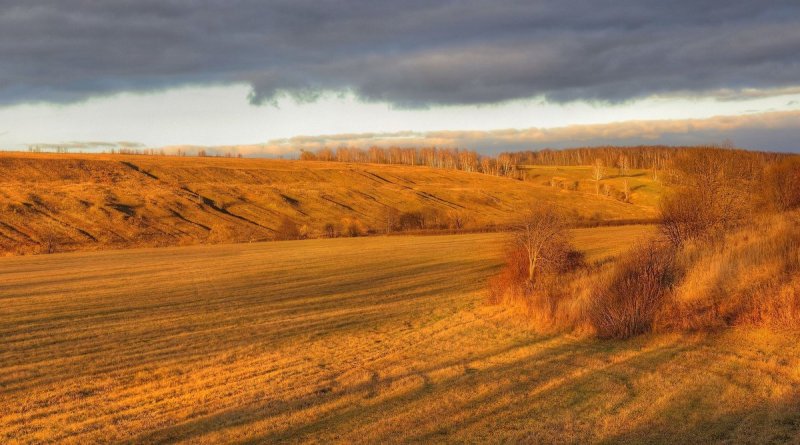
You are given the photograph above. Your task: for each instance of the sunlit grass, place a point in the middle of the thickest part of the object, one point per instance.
(644, 190)
(354, 340)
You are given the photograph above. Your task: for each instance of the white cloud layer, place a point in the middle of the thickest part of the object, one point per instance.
(673, 131)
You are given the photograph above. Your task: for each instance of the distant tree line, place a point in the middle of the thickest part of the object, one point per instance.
(658, 159)
(453, 159)
(67, 148)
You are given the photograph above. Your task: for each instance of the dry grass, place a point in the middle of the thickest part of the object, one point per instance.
(371, 340)
(72, 202)
(751, 276)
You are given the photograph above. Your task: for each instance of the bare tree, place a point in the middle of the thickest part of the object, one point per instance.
(392, 218)
(626, 190)
(505, 162)
(487, 165)
(598, 173)
(329, 230)
(623, 163)
(541, 234)
(458, 219)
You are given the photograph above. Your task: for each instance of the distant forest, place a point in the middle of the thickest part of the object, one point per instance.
(656, 158)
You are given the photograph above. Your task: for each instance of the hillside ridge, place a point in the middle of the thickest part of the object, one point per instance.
(65, 202)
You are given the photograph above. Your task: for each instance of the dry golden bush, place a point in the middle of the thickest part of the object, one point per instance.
(354, 227)
(287, 230)
(555, 302)
(626, 302)
(510, 283)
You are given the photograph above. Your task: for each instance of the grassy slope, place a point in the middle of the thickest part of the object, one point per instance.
(78, 202)
(353, 340)
(644, 191)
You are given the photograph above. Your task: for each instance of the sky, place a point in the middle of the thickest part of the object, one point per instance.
(268, 78)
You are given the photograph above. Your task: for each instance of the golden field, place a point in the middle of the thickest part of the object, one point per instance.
(356, 340)
(66, 202)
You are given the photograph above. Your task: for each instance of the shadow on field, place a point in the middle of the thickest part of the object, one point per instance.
(764, 422)
(547, 384)
(545, 395)
(376, 341)
(326, 395)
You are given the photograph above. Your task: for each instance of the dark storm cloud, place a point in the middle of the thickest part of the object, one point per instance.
(412, 53)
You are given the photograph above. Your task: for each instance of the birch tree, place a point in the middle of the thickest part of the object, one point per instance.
(598, 173)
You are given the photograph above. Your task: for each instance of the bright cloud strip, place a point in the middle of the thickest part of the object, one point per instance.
(677, 131)
(221, 116)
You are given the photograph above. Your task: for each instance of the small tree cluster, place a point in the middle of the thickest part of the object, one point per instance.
(288, 230)
(712, 193)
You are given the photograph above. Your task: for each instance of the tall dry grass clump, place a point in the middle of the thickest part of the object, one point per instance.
(750, 276)
(511, 282)
(782, 184)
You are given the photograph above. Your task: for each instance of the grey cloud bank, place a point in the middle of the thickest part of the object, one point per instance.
(414, 53)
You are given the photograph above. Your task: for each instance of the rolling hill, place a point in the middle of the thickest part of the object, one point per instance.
(66, 202)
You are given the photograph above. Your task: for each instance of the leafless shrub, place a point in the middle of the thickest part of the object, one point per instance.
(353, 227)
(414, 220)
(683, 217)
(330, 230)
(627, 303)
(458, 219)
